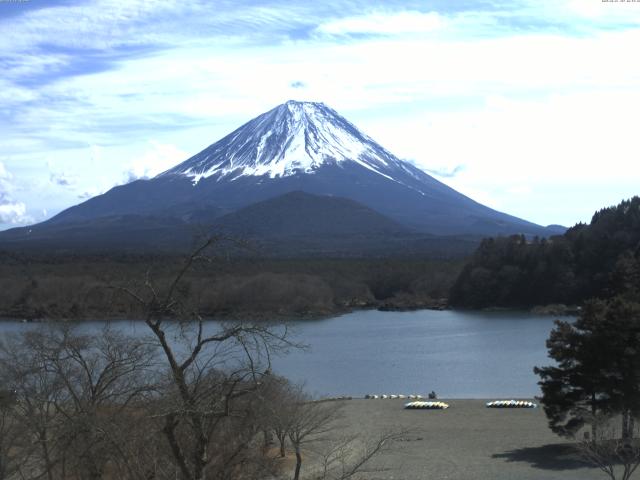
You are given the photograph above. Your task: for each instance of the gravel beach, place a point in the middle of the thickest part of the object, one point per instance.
(466, 441)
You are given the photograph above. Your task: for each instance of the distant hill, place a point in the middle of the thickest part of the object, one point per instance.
(302, 224)
(596, 260)
(303, 214)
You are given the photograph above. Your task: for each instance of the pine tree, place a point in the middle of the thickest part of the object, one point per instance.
(598, 367)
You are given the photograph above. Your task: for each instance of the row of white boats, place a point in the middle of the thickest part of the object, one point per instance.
(392, 397)
(494, 404)
(511, 404)
(426, 406)
(433, 404)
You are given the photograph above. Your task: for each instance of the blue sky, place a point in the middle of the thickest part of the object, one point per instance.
(530, 107)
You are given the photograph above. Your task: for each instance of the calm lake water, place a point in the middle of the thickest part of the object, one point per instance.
(457, 354)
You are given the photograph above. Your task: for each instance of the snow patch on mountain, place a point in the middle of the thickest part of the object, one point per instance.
(293, 138)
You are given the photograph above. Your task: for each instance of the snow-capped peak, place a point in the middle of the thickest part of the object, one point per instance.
(293, 138)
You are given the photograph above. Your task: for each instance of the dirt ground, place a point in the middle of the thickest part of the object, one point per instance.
(466, 441)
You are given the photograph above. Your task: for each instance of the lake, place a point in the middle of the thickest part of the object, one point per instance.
(457, 354)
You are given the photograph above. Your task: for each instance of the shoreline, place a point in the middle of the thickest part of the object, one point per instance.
(279, 316)
(535, 398)
(467, 441)
(282, 316)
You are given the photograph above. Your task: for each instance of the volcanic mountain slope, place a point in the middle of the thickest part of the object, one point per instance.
(296, 224)
(298, 214)
(301, 224)
(297, 146)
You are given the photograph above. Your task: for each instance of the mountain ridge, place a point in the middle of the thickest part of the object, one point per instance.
(297, 146)
(292, 137)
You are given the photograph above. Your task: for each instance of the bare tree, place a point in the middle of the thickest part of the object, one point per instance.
(209, 370)
(10, 435)
(314, 427)
(102, 376)
(616, 452)
(310, 421)
(72, 391)
(278, 400)
(35, 391)
(343, 458)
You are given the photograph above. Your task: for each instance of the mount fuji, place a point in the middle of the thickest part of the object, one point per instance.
(303, 152)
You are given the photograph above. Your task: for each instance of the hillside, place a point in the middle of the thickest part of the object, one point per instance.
(595, 260)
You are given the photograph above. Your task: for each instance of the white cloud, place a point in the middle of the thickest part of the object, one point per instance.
(524, 156)
(60, 177)
(440, 171)
(14, 213)
(11, 211)
(155, 160)
(87, 194)
(386, 23)
(602, 11)
(520, 190)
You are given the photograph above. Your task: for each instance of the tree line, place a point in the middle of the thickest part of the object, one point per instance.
(598, 260)
(592, 392)
(80, 287)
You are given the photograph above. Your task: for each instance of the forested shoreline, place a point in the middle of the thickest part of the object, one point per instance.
(598, 260)
(90, 287)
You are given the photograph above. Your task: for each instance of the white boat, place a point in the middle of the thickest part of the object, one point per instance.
(426, 406)
(511, 404)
